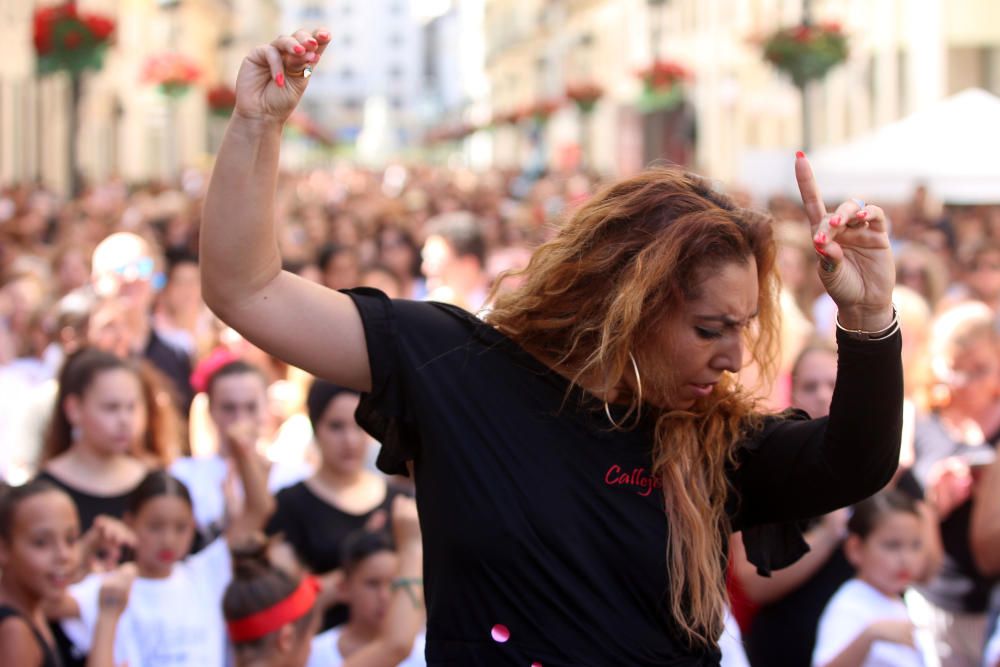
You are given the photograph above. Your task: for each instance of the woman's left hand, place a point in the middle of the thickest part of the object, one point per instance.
(856, 264)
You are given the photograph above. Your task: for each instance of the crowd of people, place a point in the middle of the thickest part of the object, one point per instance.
(177, 496)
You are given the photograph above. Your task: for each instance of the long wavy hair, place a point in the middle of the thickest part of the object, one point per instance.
(617, 269)
(159, 442)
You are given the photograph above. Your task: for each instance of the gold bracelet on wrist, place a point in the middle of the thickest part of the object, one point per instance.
(882, 334)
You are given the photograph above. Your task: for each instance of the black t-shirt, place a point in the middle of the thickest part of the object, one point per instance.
(49, 657)
(543, 526)
(89, 506)
(316, 530)
(959, 585)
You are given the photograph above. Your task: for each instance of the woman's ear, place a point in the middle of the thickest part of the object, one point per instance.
(286, 638)
(71, 407)
(852, 549)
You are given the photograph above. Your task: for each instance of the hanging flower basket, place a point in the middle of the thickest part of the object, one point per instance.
(542, 110)
(68, 40)
(662, 85)
(221, 100)
(585, 95)
(806, 52)
(173, 73)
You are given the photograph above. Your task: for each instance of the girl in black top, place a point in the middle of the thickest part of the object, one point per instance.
(39, 555)
(98, 448)
(342, 497)
(582, 455)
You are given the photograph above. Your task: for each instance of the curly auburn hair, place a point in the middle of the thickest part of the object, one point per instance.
(618, 267)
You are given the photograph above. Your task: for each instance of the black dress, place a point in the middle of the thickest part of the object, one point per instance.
(544, 532)
(49, 657)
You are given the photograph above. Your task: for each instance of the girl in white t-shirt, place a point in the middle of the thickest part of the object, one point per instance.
(866, 623)
(371, 571)
(174, 615)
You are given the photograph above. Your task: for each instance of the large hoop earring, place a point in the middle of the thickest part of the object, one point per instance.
(638, 387)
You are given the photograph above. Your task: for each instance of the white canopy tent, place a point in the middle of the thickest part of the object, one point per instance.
(953, 147)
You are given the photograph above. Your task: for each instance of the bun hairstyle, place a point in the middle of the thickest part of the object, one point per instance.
(361, 544)
(321, 394)
(156, 484)
(258, 585)
(870, 512)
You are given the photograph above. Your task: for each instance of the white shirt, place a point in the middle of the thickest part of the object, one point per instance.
(172, 622)
(731, 644)
(326, 653)
(205, 478)
(854, 607)
(991, 657)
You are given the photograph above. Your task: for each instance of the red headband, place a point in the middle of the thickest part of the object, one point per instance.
(266, 621)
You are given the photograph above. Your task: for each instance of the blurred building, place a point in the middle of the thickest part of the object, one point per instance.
(374, 62)
(126, 127)
(737, 108)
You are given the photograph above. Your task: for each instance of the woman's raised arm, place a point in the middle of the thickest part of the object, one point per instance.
(302, 323)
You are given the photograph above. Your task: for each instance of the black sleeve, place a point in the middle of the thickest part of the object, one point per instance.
(384, 411)
(404, 340)
(796, 468)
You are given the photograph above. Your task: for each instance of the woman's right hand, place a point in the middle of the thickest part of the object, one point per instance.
(270, 82)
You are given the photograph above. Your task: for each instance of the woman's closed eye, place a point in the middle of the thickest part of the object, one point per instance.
(707, 334)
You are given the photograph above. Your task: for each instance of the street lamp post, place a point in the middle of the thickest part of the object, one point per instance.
(804, 86)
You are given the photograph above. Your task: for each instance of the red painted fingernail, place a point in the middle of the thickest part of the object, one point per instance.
(821, 238)
(280, 80)
(835, 221)
(799, 154)
(820, 250)
(298, 49)
(862, 214)
(323, 35)
(313, 41)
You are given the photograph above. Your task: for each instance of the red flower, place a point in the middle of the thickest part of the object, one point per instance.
(171, 69)
(664, 74)
(221, 98)
(74, 30)
(99, 26)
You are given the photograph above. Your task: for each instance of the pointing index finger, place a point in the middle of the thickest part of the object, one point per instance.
(811, 199)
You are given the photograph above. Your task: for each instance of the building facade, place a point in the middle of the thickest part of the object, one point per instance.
(127, 128)
(737, 109)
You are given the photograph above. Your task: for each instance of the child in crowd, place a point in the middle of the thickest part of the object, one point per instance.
(315, 515)
(237, 392)
(370, 569)
(94, 450)
(271, 612)
(41, 552)
(172, 617)
(866, 623)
